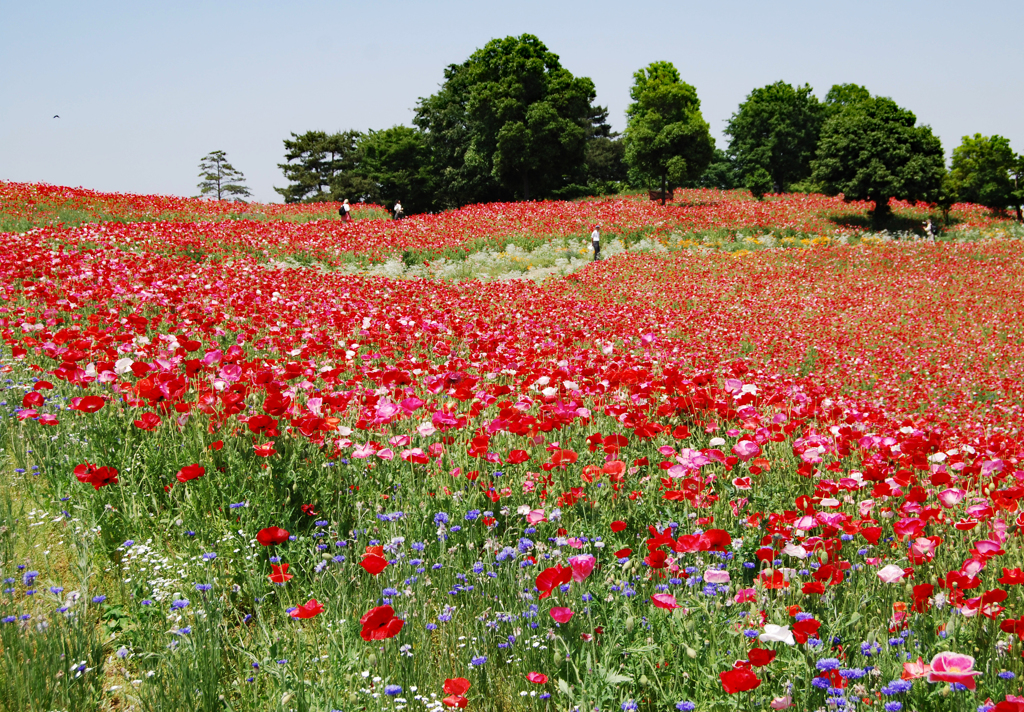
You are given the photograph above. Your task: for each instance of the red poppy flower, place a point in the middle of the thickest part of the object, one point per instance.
(87, 473)
(623, 553)
(537, 678)
(518, 456)
(738, 680)
(265, 450)
(147, 421)
(455, 701)
(550, 578)
(456, 686)
(563, 458)
(215, 445)
(380, 624)
(759, 657)
(190, 472)
(373, 564)
(309, 609)
(618, 525)
(1012, 577)
(272, 535)
(87, 404)
(280, 573)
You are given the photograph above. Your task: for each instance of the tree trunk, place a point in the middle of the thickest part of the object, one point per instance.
(664, 180)
(881, 212)
(1020, 216)
(526, 186)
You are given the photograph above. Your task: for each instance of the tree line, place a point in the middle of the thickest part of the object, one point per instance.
(511, 123)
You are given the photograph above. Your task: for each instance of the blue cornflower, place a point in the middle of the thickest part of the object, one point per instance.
(441, 518)
(99, 599)
(686, 706)
(826, 664)
(478, 660)
(202, 587)
(392, 690)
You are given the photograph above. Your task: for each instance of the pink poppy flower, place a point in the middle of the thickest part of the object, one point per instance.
(581, 565)
(948, 666)
(561, 614)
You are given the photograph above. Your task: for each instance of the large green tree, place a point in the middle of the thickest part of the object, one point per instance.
(509, 122)
(221, 180)
(843, 95)
(668, 142)
(323, 167)
(397, 162)
(983, 171)
(775, 130)
(874, 150)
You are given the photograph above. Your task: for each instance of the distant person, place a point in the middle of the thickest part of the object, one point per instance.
(345, 211)
(595, 240)
(930, 229)
(399, 212)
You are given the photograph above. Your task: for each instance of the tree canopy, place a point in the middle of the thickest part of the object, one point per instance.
(983, 171)
(873, 149)
(667, 139)
(509, 122)
(220, 179)
(775, 130)
(322, 167)
(397, 163)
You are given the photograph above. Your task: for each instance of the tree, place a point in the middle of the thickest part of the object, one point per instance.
(397, 162)
(842, 95)
(982, 171)
(323, 167)
(220, 179)
(604, 157)
(667, 139)
(1018, 187)
(721, 173)
(874, 150)
(776, 129)
(510, 122)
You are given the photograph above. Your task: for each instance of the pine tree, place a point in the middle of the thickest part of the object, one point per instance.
(220, 179)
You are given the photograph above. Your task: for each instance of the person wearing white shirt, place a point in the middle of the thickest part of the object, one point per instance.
(595, 239)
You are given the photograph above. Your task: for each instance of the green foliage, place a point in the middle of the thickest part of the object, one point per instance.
(874, 150)
(843, 95)
(605, 160)
(220, 179)
(982, 171)
(510, 122)
(667, 139)
(397, 162)
(776, 130)
(759, 182)
(323, 167)
(720, 173)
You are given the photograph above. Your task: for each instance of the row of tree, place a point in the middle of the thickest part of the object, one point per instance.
(510, 123)
(865, 147)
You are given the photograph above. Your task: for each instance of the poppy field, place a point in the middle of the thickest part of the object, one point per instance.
(775, 463)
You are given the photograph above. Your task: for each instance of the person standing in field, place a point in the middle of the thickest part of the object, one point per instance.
(345, 211)
(595, 239)
(399, 212)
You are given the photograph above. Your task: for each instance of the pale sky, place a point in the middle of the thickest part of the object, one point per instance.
(145, 89)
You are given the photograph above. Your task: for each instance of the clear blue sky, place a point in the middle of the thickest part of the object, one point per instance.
(145, 89)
